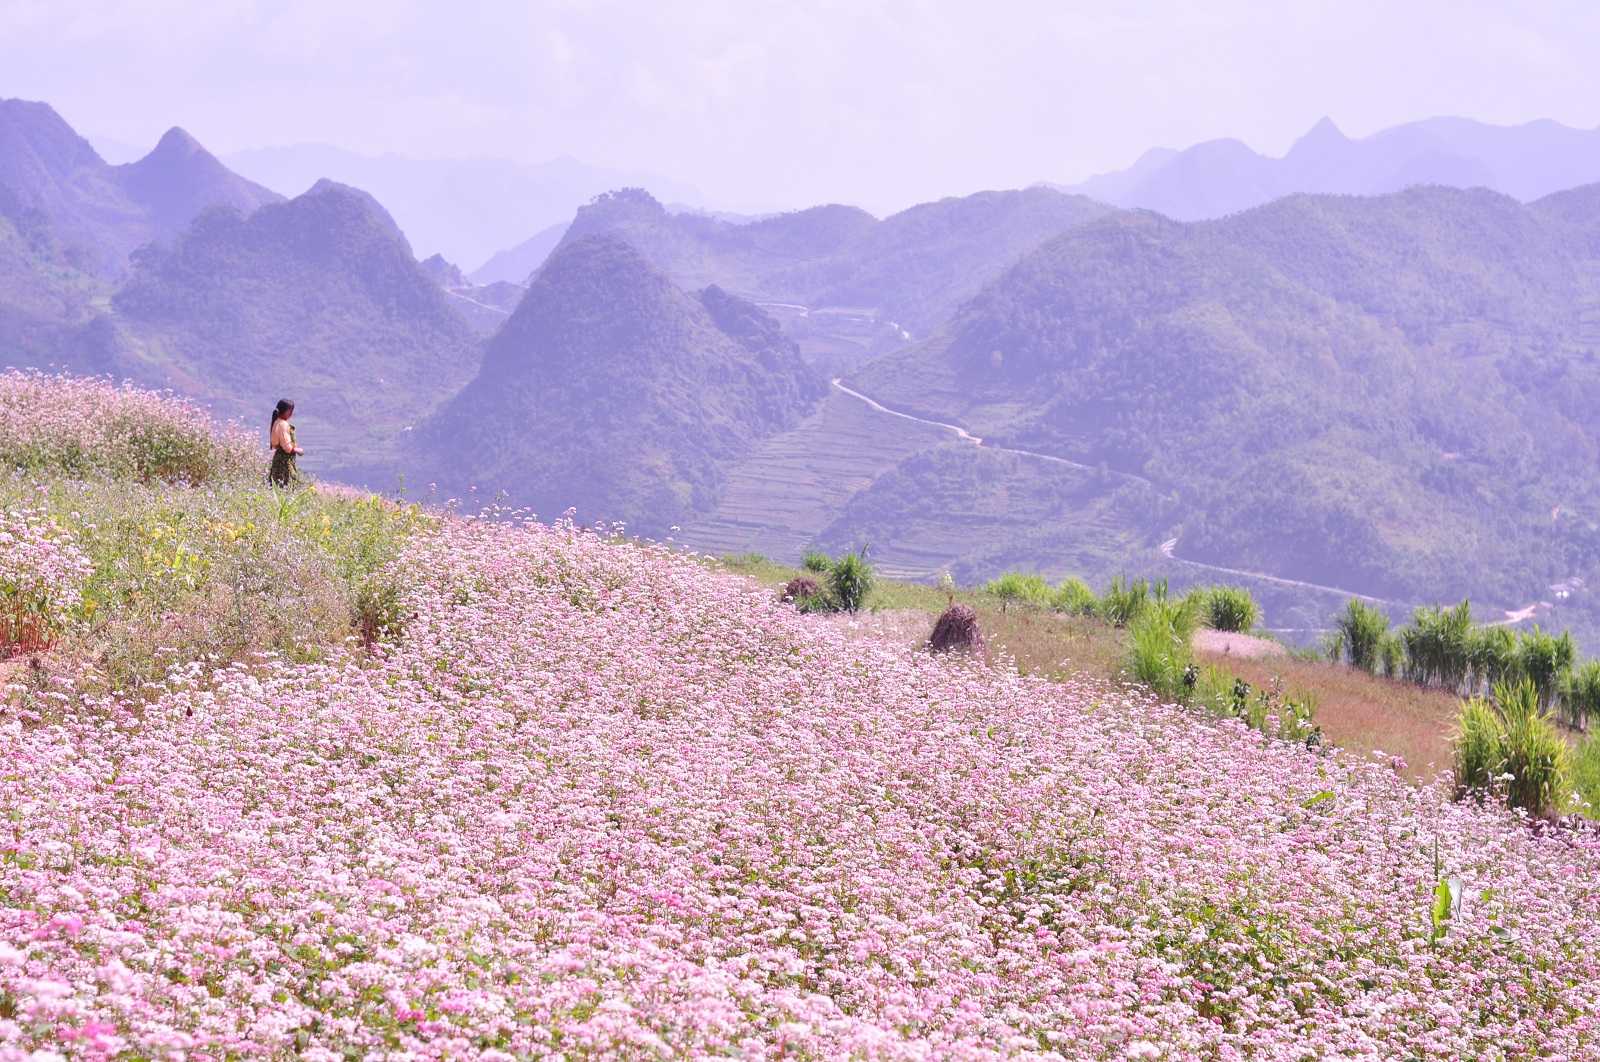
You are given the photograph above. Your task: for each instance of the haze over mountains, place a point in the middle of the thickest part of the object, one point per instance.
(1224, 176)
(466, 209)
(1389, 394)
(613, 390)
(98, 212)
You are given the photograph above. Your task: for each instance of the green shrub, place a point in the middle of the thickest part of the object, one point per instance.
(1492, 657)
(1544, 660)
(1507, 745)
(1123, 602)
(1158, 647)
(1359, 633)
(850, 581)
(1585, 776)
(1015, 588)
(1580, 694)
(1074, 597)
(1229, 608)
(1392, 655)
(816, 561)
(1439, 646)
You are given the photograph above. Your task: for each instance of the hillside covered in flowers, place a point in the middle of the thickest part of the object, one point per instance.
(590, 797)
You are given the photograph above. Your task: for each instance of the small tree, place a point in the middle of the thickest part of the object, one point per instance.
(1014, 588)
(850, 580)
(1361, 629)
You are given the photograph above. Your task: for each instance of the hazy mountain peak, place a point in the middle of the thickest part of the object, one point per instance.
(34, 138)
(177, 141)
(330, 191)
(1322, 136)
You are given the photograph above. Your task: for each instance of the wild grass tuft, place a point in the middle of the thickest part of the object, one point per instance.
(850, 580)
(1073, 597)
(1359, 634)
(1229, 608)
(1506, 746)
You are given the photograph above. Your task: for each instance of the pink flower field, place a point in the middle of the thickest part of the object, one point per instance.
(600, 800)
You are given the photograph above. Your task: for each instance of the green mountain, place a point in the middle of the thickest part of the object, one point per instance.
(845, 284)
(318, 299)
(1392, 394)
(101, 213)
(613, 390)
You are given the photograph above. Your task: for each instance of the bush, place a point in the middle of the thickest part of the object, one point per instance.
(1544, 660)
(1074, 597)
(850, 581)
(1439, 646)
(1158, 647)
(78, 426)
(1123, 602)
(816, 561)
(1360, 631)
(1392, 655)
(1015, 588)
(1580, 694)
(1507, 746)
(1229, 608)
(956, 630)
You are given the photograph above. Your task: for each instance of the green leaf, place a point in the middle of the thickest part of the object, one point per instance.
(1317, 798)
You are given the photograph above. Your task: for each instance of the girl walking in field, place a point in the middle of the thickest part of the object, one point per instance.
(284, 450)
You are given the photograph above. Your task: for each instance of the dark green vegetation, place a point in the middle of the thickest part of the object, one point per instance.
(1392, 395)
(612, 390)
(317, 298)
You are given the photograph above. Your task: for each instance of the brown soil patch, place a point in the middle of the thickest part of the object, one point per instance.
(1361, 712)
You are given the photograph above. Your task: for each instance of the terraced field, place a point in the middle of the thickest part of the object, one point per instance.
(796, 483)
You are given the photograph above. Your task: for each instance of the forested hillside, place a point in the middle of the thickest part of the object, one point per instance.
(612, 390)
(1394, 394)
(317, 298)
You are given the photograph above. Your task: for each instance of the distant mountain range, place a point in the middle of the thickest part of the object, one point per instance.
(100, 213)
(1224, 176)
(317, 298)
(876, 282)
(466, 209)
(1393, 394)
(613, 390)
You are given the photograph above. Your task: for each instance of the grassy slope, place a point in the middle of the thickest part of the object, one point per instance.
(1355, 710)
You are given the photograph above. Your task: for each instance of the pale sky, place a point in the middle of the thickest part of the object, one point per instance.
(766, 105)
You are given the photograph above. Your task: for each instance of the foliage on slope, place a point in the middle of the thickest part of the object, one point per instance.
(318, 299)
(611, 390)
(914, 267)
(1390, 394)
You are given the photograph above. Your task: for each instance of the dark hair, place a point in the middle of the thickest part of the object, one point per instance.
(283, 409)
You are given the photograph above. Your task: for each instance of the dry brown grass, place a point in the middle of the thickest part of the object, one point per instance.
(1362, 712)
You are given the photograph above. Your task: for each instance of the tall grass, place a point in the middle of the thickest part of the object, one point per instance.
(850, 580)
(1439, 646)
(1124, 601)
(1544, 660)
(1015, 588)
(1229, 608)
(1074, 597)
(1158, 646)
(1360, 631)
(1580, 694)
(1507, 746)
